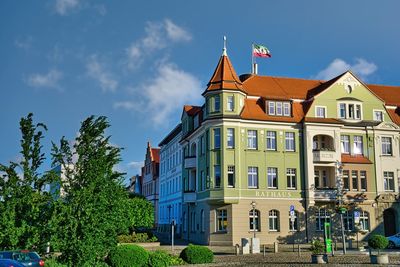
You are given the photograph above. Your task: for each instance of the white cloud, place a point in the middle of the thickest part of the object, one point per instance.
(159, 35)
(24, 43)
(64, 7)
(48, 80)
(98, 72)
(165, 94)
(361, 68)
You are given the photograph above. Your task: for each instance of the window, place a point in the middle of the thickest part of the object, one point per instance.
(252, 175)
(230, 103)
(354, 179)
(286, 109)
(217, 170)
(293, 222)
(202, 181)
(358, 112)
(388, 181)
(216, 103)
(222, 220)
(342, 110)
(202, 221)
(386, 146)
(272, 177)
(231, 176)
(279, 109)
(254, 220)
(320, 112)
(230, 138)
(348, 221)
(363, 180)
(324, 178)
(378, 115)
(358, 145)
(291, 178)
(252, 139)
(273, 220)
(345, 143)
(271, 108)
(271, 140)
(316, 179)
(184, 222)
(321, 216)
(346, 180)
(289, 141)
(364, 220)
(217, 138)
(202, 148)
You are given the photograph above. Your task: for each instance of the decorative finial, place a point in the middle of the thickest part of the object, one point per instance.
(224, 49)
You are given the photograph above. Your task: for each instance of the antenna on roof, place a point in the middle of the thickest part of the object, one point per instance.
(224, 49)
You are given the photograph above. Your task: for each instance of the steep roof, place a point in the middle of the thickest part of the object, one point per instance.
(224, 77)
(155, 155)
(191, 110)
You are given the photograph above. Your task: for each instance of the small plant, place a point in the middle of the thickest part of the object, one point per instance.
(197, 254)
(137, 238)
(378, 242)
(128, 256)
(159, 258)
(317, 247)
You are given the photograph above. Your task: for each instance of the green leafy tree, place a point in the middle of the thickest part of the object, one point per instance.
(91, 212)
(140, 213)
(25, 204)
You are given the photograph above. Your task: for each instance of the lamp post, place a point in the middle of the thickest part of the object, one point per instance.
(253, 205)
(339, 195)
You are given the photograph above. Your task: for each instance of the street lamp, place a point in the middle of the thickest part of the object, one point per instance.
(339, 194)
(253, 205)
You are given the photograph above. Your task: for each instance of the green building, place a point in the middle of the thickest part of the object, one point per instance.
(261, 146)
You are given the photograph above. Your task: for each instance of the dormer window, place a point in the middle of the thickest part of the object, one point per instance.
(378, 115)
(279, 108)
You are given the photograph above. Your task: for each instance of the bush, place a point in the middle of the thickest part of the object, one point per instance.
(317, 247)
(128, 256)
(197, 254)
(54, 263)
(378, 242)
(159, 258)
(137, 238)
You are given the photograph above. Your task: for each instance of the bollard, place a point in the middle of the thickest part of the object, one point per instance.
(298, 249)
(263, 250)
(237, 249)
(275, 247)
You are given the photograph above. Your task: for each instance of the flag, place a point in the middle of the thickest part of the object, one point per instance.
(260, 51)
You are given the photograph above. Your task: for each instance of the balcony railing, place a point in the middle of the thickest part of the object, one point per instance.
(325, 193)
(190, 162)
(324, 155)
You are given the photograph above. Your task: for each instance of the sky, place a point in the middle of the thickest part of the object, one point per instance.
(139, 62)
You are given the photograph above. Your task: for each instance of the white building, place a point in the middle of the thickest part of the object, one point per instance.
(170, 199)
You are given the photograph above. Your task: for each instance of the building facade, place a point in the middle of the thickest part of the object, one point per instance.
(135, 185)
(170, 201)
(150, 178)
(275, 157)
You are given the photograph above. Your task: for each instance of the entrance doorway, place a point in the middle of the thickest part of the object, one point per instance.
(389, 222)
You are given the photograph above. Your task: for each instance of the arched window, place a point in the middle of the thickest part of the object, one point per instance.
(293, 222)
(273, 217)
(348, 221)
(254, 220)
(321, 216)
(364, 220)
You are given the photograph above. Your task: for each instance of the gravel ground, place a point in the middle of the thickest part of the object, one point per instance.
(293, 259)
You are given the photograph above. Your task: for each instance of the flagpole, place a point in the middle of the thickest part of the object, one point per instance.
(252, 58)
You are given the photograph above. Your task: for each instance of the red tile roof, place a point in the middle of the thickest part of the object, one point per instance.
(224, 77)
(191, 110)
(155, 155)
(360, 159)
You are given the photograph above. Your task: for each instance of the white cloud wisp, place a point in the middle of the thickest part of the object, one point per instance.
(361, 68)
(64, 7)
(97, 71)
(48, 80)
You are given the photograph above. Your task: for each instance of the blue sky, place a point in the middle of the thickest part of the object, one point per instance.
(138, 62)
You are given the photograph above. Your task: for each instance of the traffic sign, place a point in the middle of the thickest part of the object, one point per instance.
(356, 216)
(291, 213)
(291, 208)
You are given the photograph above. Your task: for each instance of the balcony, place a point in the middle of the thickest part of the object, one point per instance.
(324, 155)
(190, 163)
(325, 194)
(189, 196)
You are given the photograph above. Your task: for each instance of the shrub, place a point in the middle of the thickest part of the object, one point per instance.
(128, 256)
(197, 254)
(137, 238)
(378, 242)
(159, 258)
(317, 247)
(54, 263)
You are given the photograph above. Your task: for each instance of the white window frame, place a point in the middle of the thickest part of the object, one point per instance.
(348, 221)
(321, 216)
(355, 146)
(375, 111)
(231, 171)
(385, 146)
(271, 108)
(319, 108)
(343, 142)
(290, 141)
(286, 109)
(354, 178)
(291, 178)
(230, 104)
(230, 137)
(254, 216)
(217, 170)
(272, 177)
(364, 220)
(279, 108)
(388, 180)
(273, 221)
(252, 177)
(271, 140)
(363, 177)
(252, 139)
